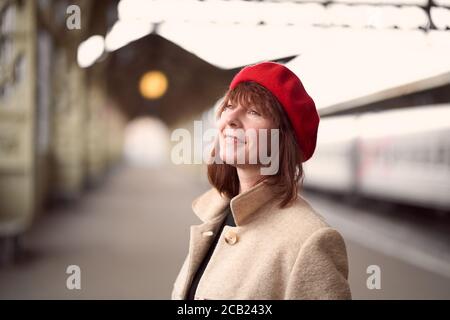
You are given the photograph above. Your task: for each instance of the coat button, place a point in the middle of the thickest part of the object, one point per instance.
(231, 237)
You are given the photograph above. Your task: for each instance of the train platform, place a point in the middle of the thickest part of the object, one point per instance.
(130, 235)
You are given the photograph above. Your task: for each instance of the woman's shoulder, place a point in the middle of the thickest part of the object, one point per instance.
(300, 219)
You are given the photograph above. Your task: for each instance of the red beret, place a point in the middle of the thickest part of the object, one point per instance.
(291, 94)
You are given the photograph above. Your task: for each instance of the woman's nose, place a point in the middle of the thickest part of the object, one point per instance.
(233, 119)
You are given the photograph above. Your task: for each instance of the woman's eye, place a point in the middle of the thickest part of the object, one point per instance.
(253, 112)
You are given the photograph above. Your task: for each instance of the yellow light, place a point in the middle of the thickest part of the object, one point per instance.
(153, 84)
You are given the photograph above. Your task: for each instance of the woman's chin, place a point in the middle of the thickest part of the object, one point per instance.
(229, 159)
(233, 161)
(233, 157)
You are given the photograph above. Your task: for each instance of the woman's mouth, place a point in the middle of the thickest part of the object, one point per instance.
(233, 139)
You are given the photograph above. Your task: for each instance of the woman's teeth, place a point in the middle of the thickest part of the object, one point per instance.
(233, 139)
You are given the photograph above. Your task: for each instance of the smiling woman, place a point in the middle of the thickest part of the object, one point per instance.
(260, 239)
(248, 108)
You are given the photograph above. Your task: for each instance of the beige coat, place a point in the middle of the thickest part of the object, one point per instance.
(272, 253)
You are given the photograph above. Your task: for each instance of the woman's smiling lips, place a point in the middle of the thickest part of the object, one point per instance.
(233, 139)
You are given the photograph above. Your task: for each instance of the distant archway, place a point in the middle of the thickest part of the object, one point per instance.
(147, 142)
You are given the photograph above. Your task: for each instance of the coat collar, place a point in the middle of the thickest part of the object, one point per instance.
(211, 205)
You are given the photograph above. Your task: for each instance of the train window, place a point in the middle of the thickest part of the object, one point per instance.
(395, 154)
(384, 157)
(376, 152)
(440, 156)
(387, 155)
(424, 155)
(401, 153)
(427, 156)
(447, 156)
(415, 155)
(419, 156)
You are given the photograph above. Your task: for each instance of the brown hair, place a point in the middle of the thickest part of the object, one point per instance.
(224, 176)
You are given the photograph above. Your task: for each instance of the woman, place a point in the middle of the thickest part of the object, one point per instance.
(259, 238)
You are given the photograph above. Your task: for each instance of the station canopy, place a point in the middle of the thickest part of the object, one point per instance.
(345, 49)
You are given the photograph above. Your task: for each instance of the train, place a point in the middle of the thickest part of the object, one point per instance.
(400, 155)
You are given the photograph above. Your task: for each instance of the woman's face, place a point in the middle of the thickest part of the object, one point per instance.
(244, 133)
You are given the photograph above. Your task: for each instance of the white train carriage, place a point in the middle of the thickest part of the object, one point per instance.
(332, 167)
(404, 155)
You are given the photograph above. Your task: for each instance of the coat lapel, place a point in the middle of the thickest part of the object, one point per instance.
(198, 247)
(210, 208)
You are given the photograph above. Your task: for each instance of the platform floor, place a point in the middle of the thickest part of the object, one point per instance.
(130, 235)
